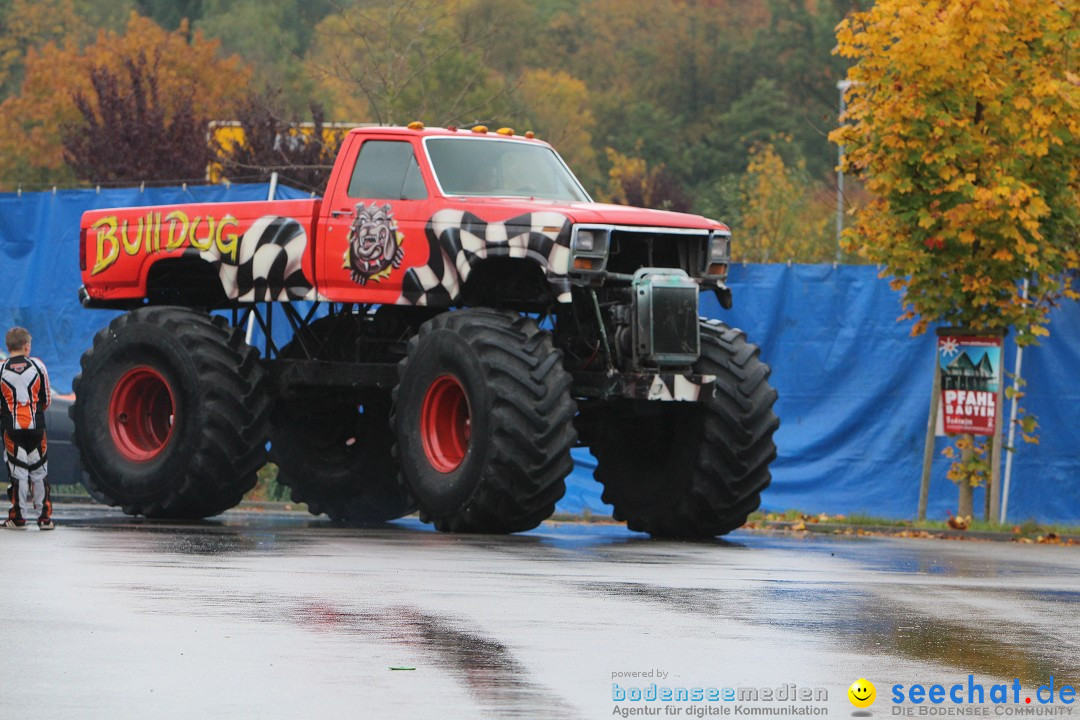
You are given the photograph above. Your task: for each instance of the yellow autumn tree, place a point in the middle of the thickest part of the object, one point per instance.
(963, 121)
(632, 182)
(28, 23)
(560, 113)
(783, 218)
(31, 123)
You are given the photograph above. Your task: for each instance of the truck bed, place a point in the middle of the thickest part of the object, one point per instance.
(260, 250)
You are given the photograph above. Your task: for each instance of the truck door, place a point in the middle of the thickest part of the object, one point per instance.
(374, 225)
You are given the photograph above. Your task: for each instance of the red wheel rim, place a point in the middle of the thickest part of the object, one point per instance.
(141, 414)
(445, 424)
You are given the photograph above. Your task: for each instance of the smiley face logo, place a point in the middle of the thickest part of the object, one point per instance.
(862, 693)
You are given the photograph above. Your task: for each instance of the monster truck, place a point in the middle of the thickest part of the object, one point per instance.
(460, 315)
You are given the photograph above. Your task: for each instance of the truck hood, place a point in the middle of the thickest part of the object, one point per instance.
(583, 212)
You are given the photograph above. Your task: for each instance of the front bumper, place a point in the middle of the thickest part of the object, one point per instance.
(658, 386)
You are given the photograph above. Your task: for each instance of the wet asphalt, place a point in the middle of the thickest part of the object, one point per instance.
(264, 615)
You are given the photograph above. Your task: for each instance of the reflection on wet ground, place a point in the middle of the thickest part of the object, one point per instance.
(312, 618)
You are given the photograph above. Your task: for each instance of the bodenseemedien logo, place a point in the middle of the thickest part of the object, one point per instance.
(700, 701)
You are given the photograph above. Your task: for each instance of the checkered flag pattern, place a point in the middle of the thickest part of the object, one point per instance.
(458, 240)
(267, 265)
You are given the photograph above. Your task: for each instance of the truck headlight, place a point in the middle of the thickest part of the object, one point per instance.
(590, 240)
(719, 255)
(719, 247)
(589, 251)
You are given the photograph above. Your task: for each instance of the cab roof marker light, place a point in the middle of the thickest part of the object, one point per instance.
(415, 125)
(480, 129)
(505, 131)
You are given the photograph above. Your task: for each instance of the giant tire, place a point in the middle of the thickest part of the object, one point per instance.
(694, 470)
(335, 449)
(484, 422)
(170, 414)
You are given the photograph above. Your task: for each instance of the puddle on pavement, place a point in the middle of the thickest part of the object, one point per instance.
(861, 611)
(198, 540)
(485, 667)
(870, 622)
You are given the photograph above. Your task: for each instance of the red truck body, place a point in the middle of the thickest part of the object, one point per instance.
(473, 317)
(309, 258)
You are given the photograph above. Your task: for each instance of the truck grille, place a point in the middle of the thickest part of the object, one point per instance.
(676, 333)
(632, 250)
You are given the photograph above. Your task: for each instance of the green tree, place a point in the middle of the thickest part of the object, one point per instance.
(273, 36)
(171, 14)
(693, 84)
(756, 117)
(794, 50)
(394, 61)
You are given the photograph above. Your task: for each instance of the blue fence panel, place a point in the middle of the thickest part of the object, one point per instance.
(854, 398)
(39, 257)
(854, 385)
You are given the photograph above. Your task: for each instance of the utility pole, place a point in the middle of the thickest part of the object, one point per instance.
(842, 86)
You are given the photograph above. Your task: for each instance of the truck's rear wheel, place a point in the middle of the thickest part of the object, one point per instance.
(170, 414)
(694, 470)
(335, 450)
(484, 422)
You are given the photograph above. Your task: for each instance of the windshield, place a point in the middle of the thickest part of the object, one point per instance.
(494, 168)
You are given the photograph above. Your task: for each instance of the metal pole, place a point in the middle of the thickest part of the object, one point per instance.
(994, 491)
(1012, 422)
(273, 185)
(928, 450)
(251, 318)
(842, 86)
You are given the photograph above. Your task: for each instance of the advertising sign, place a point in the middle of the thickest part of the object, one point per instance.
(970, 376)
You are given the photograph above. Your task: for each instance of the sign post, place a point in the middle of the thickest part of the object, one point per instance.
(928, 451)
(970, 393)
(970, 382)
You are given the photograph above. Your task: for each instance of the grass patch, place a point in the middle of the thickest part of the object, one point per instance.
(1027, 528)
(69, 490)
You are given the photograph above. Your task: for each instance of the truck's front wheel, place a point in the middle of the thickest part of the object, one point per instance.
(484, 422)
(694, 470)
(170, 414)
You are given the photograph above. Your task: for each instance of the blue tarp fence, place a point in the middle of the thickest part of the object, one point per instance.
(39, 261)
(854, 385)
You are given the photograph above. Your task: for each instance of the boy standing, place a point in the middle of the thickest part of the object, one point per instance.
(24, 395)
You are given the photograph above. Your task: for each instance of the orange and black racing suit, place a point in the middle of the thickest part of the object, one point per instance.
(24, 395)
